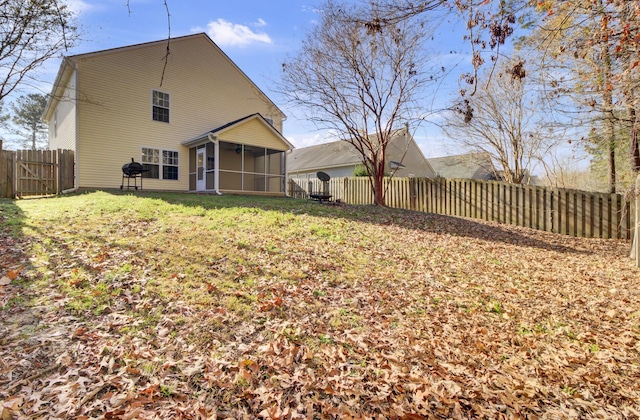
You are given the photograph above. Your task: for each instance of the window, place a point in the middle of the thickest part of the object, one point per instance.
(157, 167)
(169, 164)
(160, 106)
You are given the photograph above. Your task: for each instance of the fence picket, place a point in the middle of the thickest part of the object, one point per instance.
(567, 212)
(35, 172)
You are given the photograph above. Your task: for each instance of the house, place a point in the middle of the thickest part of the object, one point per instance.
(340, 159)
(188, 114)
(465, 166)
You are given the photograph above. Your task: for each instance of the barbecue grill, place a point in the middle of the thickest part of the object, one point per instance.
(132, 170)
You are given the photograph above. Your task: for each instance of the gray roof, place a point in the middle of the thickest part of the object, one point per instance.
(326, 155)
(343, 154)
(467, 166)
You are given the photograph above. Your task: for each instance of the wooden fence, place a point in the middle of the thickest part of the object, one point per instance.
(569, 212)
(25, 173)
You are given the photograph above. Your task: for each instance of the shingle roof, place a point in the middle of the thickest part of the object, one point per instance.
(326, 155)
(466, 166)
(341, 153)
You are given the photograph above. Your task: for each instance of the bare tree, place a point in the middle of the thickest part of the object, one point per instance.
(489, 24)
(500, 120)
(358, 81)
(31, 32)
(579, 72)
(603, 35)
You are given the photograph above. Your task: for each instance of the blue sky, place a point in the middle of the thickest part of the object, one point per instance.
(257, 36)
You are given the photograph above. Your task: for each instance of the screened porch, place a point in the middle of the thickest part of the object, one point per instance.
(232, 167)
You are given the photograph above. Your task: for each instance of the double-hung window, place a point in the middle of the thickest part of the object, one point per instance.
(160, 106)
(160, 164)
(169, 164)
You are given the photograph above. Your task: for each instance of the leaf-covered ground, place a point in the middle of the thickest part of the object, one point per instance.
(185, 306)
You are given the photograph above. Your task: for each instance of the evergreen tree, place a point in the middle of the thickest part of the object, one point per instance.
(27, 117)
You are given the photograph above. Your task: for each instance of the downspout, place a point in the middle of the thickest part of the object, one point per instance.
(76, 183)
(216, 163)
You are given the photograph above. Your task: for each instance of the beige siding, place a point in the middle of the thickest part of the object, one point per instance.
(62, 127)
(206, 91)
(253, 133)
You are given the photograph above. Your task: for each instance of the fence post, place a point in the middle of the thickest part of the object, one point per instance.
(55, 157)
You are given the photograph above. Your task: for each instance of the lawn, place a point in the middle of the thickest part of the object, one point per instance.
(158, 305)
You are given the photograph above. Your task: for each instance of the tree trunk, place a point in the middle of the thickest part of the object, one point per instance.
(635, 149)
(378, 185)
(612, 163)
(607, 98)
(633, 125)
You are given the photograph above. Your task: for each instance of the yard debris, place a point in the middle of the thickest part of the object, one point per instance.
(368, 313)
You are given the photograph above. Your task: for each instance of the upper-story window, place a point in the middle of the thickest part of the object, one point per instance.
(160, 106)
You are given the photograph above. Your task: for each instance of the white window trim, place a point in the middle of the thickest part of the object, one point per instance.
(161, 161)
(153, 105)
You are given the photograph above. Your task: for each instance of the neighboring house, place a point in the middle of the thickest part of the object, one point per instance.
(467, 166)
(527, 179)
(198, 124)
(340, 159)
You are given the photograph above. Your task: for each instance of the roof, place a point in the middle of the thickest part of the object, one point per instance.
(228, 126)
(67, 66)
(341, 153)
(465, 166)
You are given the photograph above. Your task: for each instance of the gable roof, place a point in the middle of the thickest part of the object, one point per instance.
(342, 153)
(68, 65)
(236, 123)
(326, 155)
(464, 166)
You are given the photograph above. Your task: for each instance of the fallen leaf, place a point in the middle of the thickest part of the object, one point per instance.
(13, 274)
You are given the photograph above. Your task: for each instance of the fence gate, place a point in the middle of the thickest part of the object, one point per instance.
(26, 173)
(35, 173)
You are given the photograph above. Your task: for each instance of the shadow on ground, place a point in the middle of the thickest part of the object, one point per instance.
(26, 344)
(384, 216)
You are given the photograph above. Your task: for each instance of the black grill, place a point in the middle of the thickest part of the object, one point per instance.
(132, 170)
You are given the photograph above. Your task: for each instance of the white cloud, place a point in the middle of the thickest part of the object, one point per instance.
(226, 33)
(77, 6)
(311, 139)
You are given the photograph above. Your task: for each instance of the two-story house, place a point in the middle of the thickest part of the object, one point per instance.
(180, 107)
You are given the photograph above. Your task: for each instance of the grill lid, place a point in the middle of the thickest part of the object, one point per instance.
(133, 168)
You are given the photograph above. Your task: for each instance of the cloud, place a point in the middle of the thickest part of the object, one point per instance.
(230, 34)
(312, 139)
(77, 6)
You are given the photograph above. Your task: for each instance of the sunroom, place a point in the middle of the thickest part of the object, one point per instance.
(244, 156)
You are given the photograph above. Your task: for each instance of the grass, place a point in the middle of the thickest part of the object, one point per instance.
(321, 307)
